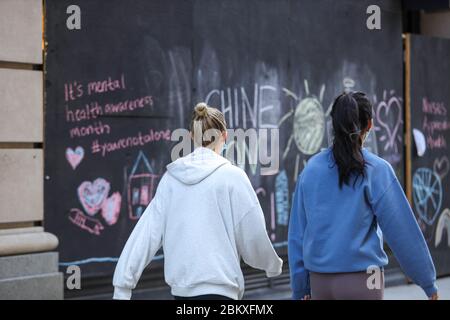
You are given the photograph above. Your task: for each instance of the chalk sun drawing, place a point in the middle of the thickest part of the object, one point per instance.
(309, 122)
(427, 192)
(74, 157)
(443, 223)
(92, 195)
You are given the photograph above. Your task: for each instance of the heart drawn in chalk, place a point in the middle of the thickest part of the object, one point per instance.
(111, 208)
(74, 157)
(387, 113)
(92, 195)
(441, 166)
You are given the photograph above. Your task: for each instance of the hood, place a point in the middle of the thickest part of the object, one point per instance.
(196, 166)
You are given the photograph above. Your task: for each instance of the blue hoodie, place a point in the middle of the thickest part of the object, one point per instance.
(333, 230)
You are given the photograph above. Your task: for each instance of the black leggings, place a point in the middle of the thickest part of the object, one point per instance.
(204, 297)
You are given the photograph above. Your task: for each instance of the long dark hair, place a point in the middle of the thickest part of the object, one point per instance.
(351, 113)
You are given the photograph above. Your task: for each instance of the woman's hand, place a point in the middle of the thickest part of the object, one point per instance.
(435, 296)
(306, 297)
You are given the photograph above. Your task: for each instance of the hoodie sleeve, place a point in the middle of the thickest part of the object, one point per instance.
(252, 241)
(299, 274)
(254, 244)
(403, 235)
(139, 250)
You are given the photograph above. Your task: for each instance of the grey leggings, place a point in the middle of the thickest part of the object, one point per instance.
(344, 286)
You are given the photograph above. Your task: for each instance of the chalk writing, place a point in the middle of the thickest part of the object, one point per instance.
(427, 191)
(74, 157)
(433, 107)
(435, 127)
(74, 90)
(134, 141)
(97, 128)
(93, 110)
(239, 110)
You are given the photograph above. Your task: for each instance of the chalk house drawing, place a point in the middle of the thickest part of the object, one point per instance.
(427, 194)
(141, 185)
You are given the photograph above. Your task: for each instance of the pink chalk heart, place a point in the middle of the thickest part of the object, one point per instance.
(111, 208)
(92, 195)
(74, 156)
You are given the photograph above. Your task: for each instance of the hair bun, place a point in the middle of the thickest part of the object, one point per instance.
(201, 109)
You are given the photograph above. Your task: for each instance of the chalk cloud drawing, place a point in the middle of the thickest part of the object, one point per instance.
(282, 198)
(427, 194)
(141, 185)
(441, 166)
(92, 195)
(309, 122)
(388, 121)
(111, 208)
(91, 225)
(419, 140)
(443, 223)
(74, 157)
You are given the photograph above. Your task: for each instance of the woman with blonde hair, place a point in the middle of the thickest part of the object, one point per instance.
(206, 216)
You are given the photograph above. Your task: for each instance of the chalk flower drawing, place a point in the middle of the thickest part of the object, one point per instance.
(427, 192)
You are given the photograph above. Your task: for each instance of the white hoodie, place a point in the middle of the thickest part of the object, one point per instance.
(206, 216)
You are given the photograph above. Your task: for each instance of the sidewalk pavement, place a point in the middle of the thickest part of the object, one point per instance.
(400, 292)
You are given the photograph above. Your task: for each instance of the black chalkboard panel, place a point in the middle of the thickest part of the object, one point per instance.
(117, 88)
(430, 122)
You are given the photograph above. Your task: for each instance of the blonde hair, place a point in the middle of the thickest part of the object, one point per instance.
(205, 119)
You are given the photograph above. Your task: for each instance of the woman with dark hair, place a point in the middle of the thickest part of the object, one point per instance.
(346, 200)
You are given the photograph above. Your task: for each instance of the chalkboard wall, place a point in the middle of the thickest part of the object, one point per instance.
(118, 87)
(430, 99)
